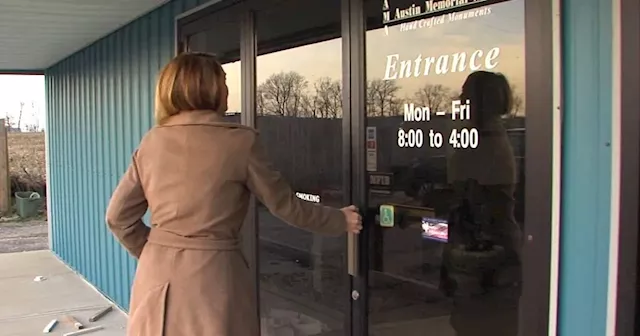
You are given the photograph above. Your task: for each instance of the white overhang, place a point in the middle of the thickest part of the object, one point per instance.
(36, 34)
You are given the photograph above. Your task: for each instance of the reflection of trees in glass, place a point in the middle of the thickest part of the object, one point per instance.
(289, 94)
(518, 102)
(435, 97)
(326, 99)
(382, 99)
(282, 94)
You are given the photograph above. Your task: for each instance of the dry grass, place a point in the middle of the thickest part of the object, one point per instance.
(27, 162)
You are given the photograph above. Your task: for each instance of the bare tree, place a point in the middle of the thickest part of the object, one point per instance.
(20, 114)
(34, 115)
(518, 102)
(326, 100)
(260, 101)
(435, 97)
(282, 94)
(382, 98)
(455, 94)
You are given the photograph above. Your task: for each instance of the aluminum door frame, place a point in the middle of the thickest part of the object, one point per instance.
(543, 136)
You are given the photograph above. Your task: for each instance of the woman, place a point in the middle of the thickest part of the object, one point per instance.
(482, 258)
(196, 173)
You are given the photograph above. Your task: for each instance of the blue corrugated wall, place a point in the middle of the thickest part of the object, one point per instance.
(586, 176)
(99, 104)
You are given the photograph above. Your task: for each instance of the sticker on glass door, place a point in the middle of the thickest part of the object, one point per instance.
(435, 229)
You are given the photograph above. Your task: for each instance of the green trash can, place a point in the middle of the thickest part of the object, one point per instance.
(28, 203)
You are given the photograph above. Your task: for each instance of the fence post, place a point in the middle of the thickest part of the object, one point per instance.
(5, 181)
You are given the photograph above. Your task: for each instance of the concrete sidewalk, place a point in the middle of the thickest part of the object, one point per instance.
(27, 306)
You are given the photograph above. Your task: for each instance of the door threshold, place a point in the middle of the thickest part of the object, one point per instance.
(436, 326)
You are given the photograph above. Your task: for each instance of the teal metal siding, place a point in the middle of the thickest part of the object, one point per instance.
(586, 167)
(100, 103)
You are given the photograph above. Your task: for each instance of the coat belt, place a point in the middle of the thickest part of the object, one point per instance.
(169, 239)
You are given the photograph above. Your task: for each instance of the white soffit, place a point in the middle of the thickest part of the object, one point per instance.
(35, 34)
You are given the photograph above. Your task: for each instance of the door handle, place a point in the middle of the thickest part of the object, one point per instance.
(353, 245)
(353, 257)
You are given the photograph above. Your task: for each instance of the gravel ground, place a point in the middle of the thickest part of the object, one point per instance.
(23, 236)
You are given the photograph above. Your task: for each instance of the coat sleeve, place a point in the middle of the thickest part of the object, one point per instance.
(126, 209)
(268, 185)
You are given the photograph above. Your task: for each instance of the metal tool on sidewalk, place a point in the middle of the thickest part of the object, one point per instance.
(50, 326)
(84, 331)
(100, 314)
(76, 323)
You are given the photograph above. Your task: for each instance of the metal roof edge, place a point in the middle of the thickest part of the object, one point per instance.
(22, 72)
(160, 5)
(196, 9)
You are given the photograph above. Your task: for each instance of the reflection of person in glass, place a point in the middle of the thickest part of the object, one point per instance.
(482, 259)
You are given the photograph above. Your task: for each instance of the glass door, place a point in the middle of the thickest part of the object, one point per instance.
(222, 39)
(429, 117)
(445, 156)
(285, 60)
(303, 284)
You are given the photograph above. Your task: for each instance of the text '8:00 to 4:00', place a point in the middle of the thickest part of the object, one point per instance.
(458, 138)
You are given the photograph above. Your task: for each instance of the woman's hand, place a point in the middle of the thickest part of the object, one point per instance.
(354, 220)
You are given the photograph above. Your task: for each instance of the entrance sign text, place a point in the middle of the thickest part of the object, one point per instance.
(432, 21)
(429, 7)
(397, 68)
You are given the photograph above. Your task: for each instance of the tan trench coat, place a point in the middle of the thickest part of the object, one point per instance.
(195, 174)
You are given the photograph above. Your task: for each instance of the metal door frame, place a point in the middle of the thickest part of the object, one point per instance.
(542, 195)
(542, 136)
(623, 293)
(194, 21)
(353, 34)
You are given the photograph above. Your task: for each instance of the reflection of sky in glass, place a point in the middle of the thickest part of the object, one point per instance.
(234, 84)
(503, 27)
